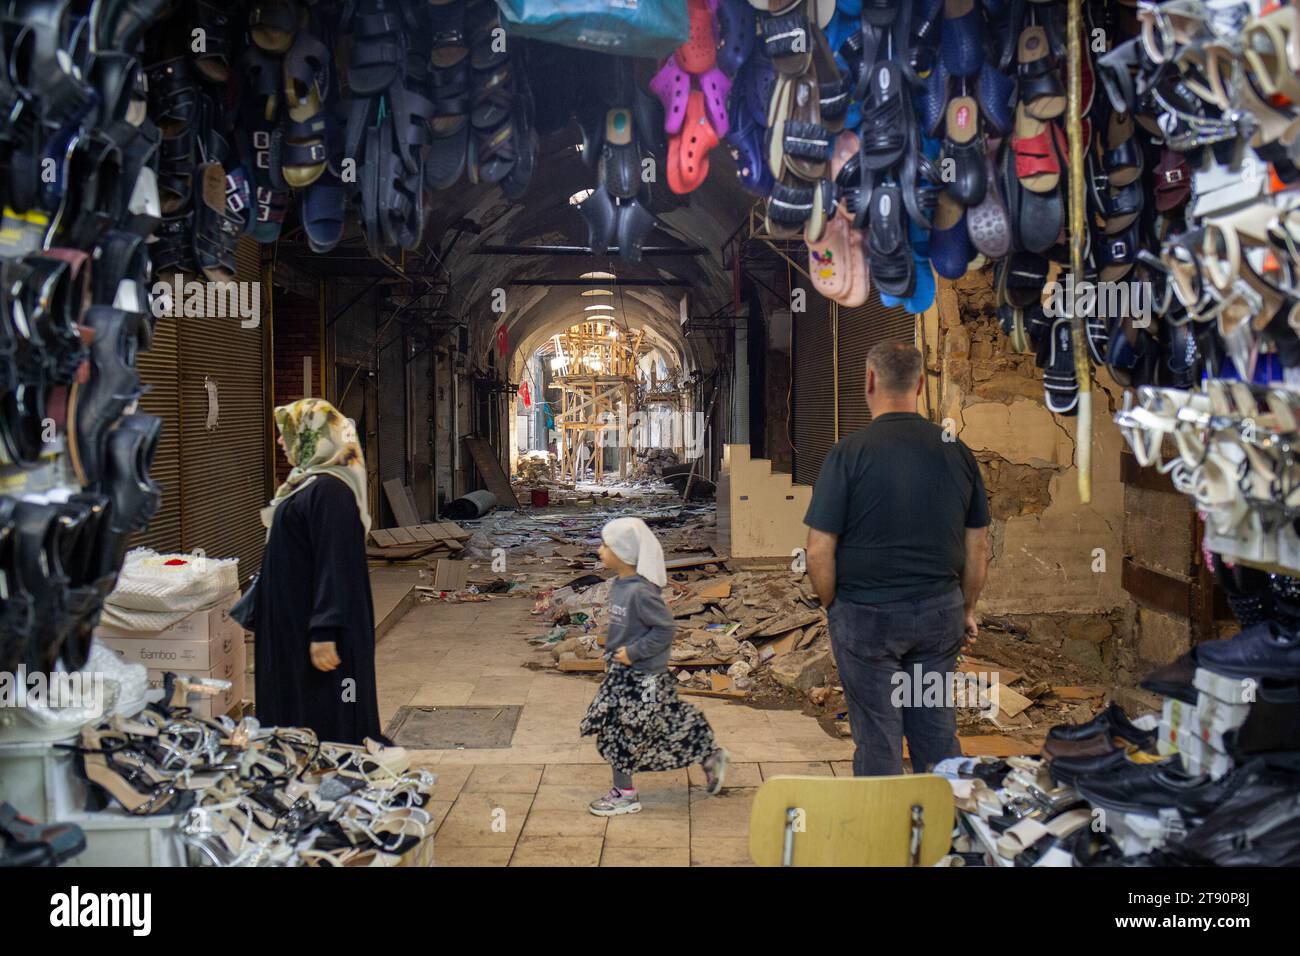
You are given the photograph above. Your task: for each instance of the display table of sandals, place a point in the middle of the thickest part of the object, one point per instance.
(163, 787)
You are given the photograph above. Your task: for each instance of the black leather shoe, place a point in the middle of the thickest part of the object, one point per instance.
(1150, 788)
(16, 609)
(134, 496)
(1265, 650)
(1113, 721)
(40, 534)
(1066, 770)
(1174, 679)
(114, 384)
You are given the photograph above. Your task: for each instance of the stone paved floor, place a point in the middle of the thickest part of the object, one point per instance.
(526, 805)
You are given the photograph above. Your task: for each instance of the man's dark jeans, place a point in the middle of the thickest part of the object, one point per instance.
(875, 642)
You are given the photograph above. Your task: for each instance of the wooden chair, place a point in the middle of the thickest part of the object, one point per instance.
(851, 821)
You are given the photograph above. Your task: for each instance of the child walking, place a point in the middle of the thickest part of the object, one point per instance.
(637, 719)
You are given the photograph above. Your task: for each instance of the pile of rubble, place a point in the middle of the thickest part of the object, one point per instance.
(734, 632)
(536, 468)
(650, 463)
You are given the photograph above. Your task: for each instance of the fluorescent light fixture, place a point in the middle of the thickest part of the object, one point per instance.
(597, 275)
(591, 292)
(599, 307)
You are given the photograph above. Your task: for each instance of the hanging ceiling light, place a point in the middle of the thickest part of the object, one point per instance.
(606, 276)
(599, 307)
(590, 292)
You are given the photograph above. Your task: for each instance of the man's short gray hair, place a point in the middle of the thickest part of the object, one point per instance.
(897, 366)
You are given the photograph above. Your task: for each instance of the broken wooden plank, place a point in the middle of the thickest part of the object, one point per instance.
(674, 564)
(403, 510)
(582, 667)
(1010, 702)
(485, 459)
(789, 622)
(996, 745)
(720, 694)
(1071, 692)
(1000, 674)
(715, 592)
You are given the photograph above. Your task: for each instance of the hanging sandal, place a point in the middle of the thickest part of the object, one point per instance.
(450, 124)
(893, 269)
(273, 24)
(449, 47)
(988, 222)
(887, 118)
(788, 43)
(789, 207)
(1039, 76)
(213, 61)
(964, 146)
(688, 152)
(378, 33)
(1060, 385)
(299, 153)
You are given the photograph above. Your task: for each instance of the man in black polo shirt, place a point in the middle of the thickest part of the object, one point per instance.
(897, 552)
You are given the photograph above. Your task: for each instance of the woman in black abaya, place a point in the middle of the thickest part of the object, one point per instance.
(315, 633)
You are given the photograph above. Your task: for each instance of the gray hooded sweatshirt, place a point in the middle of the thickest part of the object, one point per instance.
(640, 621)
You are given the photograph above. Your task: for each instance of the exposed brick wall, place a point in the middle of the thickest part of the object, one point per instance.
(296, 335)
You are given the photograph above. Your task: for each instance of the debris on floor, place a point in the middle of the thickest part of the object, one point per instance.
(749, 635)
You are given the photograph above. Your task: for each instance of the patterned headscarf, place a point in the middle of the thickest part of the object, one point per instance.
(319, 440)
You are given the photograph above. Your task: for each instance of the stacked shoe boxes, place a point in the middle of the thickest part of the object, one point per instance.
(204, 644)
(1195, 731)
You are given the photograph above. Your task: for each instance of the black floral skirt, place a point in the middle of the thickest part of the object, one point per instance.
(641, 725)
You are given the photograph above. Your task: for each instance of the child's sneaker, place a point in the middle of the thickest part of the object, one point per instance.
(614, 803)
(715, 771)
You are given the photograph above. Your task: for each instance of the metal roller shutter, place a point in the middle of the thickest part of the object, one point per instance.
(860, 330)
(392, 410)
(814, 387)
(224, 468)
(158, 371)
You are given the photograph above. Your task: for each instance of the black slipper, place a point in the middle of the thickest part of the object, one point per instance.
(1060, 385)
(601, 215)
(893, 267)
(635, 223)
(887, 117)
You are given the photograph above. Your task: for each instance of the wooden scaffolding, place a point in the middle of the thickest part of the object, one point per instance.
(597, 378)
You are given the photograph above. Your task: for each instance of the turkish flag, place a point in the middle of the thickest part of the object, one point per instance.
(523, 393)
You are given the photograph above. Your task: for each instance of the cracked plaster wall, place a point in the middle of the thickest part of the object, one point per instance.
(1044, 541)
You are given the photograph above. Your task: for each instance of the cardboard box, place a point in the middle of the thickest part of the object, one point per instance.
(449, 575)
(1230, 690)
(228, 668)
(1214, 718)
(198, 626)
(176, 655)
